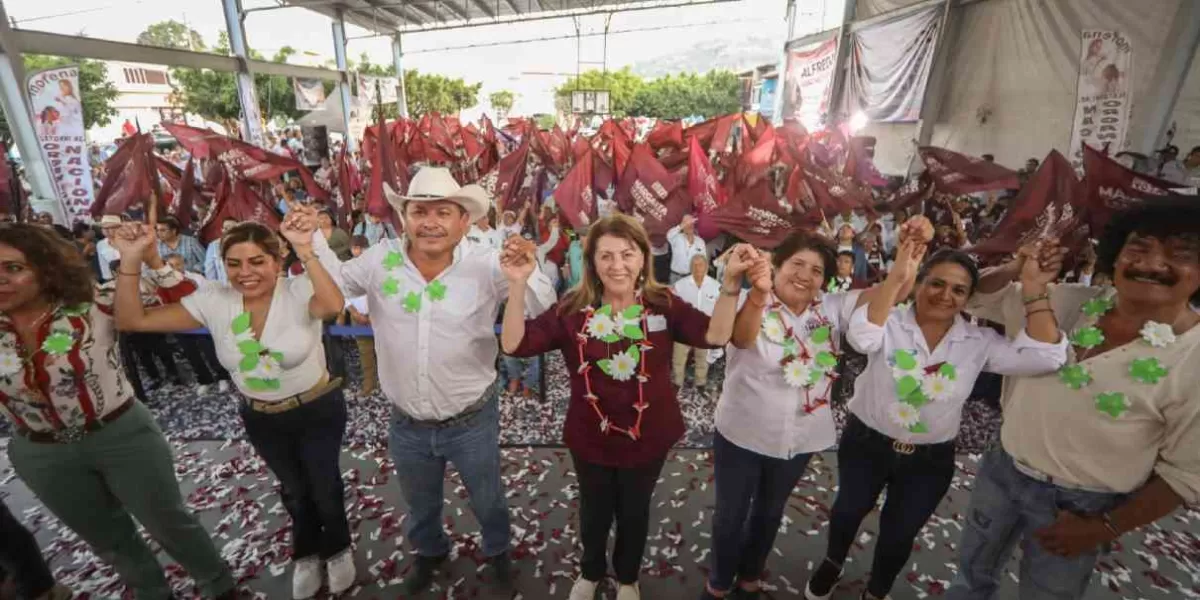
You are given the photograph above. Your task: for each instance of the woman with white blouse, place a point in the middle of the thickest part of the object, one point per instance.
(267, 330)
(923, 360)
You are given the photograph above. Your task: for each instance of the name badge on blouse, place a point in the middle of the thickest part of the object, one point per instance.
(656, 323)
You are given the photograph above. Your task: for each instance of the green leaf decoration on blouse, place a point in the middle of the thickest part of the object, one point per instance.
(393, 260)
(633, 332)
(825, 360)
(1097, 306)
(919, 427)
(905, 386)
(436, 290)
(820, 335)
(905, 360)
(250, 347)
(791, 347)
(240, 324)
(58, 343)
(1113, 404)
(278, 356)
(1075, 376)
(78, 310)
(248, 363)
(412, 302)
(262, 385)
(948, 371)
(390, 287)
(1088, 337)
(605, 310)
(1147, 370)
(633, 312)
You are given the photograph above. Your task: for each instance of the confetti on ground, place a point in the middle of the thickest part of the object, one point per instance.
(237, 499)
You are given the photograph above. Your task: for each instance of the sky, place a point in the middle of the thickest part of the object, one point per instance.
(530, 69)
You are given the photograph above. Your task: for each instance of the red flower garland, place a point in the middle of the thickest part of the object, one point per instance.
(585, 369)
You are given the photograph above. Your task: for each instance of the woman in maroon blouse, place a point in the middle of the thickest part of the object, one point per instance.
(615, 330)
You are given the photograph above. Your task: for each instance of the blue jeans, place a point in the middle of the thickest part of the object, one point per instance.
(1007, 506)
(421, 453)
(525, 369)
(752, 491)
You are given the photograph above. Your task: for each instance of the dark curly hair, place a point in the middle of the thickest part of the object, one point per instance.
(62, 272)
(800, 240)
(1171, 217)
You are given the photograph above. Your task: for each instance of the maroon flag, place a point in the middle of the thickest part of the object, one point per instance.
(128, 180)
(1110, 187)
(707, 193)
(345, 195)
(912, 193)
(384, 172)
(439, 143)
(239, 200)
(648, 192)
(754, 163)
(574, 196)
(185, 200)
(504, 182)
(757, 217)
(1048, 207)
(666, 134)
(959, 174)
(244, 161)
(835, 193)
(860, 166)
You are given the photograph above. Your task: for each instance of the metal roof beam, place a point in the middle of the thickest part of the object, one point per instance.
(444, 24)
(454, 8)
(484, 8)
(513, 5)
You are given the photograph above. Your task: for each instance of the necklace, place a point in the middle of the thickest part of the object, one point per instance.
(610, 327)
(804, 364)
(412, 299)
(1088, 337)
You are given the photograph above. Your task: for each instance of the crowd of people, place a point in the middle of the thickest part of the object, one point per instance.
(886, 314)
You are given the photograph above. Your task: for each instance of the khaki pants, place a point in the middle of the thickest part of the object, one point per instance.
(366, 358)
(680, 359)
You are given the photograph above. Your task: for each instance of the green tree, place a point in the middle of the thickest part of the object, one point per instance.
(96, 92)
(171, 34)
(430, 92)
(502, 101)
(622, 88)
(675, 97)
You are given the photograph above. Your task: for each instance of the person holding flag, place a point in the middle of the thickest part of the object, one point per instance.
(267, 330)
(433, 301)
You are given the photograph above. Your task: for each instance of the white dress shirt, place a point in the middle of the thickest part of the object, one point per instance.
(703, 297)
(970, 348)
(214, 265)
(106, 254)
(682, 251)
(439, 360)
(758, 410)
(290, 330)
(492, 239)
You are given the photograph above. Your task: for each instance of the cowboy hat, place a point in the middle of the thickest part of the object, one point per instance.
(435, 183)
(110, 220)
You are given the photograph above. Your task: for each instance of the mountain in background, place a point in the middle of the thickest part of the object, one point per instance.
(734, 55)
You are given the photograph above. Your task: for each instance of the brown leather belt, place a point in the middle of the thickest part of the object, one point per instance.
(273, 407)
(74, 433)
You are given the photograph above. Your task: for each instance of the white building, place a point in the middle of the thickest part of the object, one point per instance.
(144, 97)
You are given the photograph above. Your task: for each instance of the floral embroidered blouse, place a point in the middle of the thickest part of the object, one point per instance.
(73, 376)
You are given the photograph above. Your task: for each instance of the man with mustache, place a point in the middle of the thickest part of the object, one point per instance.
(433, 303)
(1111, 442)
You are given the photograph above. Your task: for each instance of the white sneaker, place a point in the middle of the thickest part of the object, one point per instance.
(223, 386)
(583, 589)
(202, 390)
(341, 572)
(306, 578)
(629, 592)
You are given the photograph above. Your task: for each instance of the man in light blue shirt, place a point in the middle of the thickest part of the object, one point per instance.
(214, 266)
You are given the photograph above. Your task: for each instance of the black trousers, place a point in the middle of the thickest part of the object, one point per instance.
(21, 557)
(662, 268)
(201, 354)
(148, 347)
(607, 494)
(302, 447)
(916, 483)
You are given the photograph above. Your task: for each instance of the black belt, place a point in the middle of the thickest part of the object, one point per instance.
(877, 439)
(466, 415)
(74, 433)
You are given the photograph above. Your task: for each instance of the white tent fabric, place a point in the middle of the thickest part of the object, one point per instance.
(1187, 112)
(865, 9)
(1012, 72)
(889, 65)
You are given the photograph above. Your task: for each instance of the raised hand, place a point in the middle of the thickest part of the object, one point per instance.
(760, 275)
(298, 226)
(135, 240)
(908, 261)
(917, 227)
(518, 259)
(739, 260)
(1044, 266)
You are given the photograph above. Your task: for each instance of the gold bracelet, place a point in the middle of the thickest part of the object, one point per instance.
(1032, 299)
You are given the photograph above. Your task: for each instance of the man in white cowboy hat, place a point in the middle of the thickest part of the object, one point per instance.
(105, 253)
(433, 303)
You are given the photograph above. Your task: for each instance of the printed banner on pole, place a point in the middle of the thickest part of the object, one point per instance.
(1103, 97)
(808, 83)
(310, 93)
(387, 89)
(58, 117)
